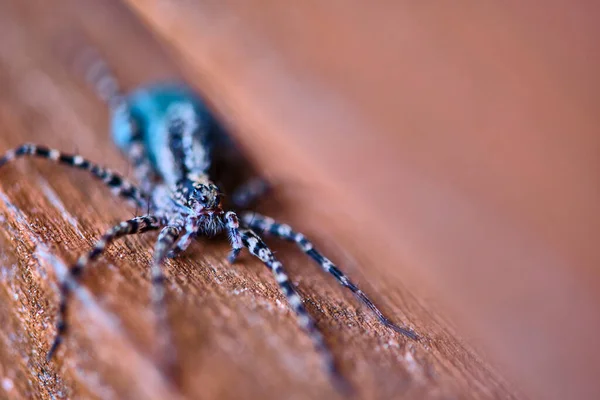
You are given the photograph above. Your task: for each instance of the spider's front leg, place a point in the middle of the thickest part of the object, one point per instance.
(71, 282)
(190, 232)
(283, 231)
(235, 237)
(258, 248)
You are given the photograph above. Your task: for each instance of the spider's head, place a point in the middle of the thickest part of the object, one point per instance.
(201, 196)
(203, 199)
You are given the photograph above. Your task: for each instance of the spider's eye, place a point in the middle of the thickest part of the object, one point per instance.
(199, 196)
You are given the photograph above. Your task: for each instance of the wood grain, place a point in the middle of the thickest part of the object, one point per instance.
(234, 333)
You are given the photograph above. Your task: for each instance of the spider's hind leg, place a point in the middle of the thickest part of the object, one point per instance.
(142, 168)
(249, 192)
(116, 182)
(283, 231)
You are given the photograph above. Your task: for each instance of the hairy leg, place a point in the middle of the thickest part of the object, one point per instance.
(235, 237)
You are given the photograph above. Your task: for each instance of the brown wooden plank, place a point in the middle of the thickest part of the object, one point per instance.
(235, 335)
(453, 147)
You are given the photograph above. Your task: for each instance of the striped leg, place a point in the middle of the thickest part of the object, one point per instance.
(259, 249)
(166, 239)
(118, 184)
(106, 85)
(142, 169)
(71, 282)
(233, 227)
(260, 222)
(182, 244)
(99, 75)
(249, 192)
(191, 231)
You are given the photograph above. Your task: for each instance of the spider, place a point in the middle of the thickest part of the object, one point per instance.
(168, 136)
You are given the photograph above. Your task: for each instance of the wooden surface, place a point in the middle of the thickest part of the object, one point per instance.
(452, 146)
(235, 335)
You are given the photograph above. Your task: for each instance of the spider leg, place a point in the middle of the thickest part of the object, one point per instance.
(99, 75)
(231, 223)
(249, 192)
(117, 183)
(259, 249)
(71, 282)
(166, 239)
(127, 134)
(190, 232)
(138, 158)
(283, 231)
(106, 85)
(235, 237)
(182, 244)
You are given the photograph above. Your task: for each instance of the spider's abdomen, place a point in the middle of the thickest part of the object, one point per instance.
(155, 111)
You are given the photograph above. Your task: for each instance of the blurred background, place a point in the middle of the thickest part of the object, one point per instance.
(445, 155)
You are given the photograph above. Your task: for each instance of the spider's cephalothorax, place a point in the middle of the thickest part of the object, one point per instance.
(202, 196)
(203, 200)
(168, 136)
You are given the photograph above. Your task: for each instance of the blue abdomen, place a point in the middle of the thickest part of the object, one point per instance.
(148, 107)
